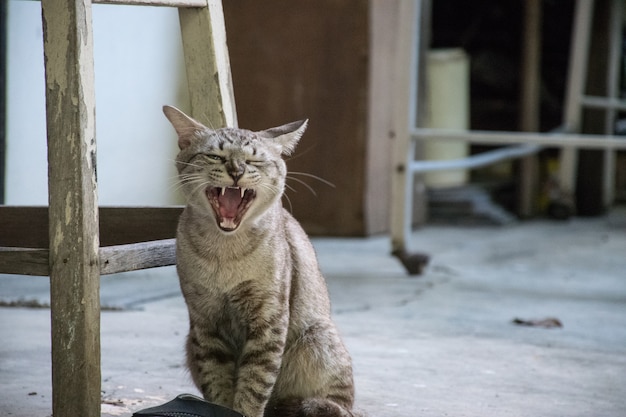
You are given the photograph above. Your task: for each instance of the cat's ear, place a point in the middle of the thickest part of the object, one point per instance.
(286, 136)
(184, 125)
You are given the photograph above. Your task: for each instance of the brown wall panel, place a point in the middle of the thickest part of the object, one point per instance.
(309, 59)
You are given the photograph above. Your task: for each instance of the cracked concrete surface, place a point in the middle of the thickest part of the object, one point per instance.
(439, 345)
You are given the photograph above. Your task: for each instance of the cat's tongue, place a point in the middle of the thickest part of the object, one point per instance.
(229, 201)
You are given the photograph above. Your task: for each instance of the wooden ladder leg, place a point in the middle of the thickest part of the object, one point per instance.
(404, 105)
(529, 104)
(73, 216)
(410, 45)
(613, 92)
(577, 78)
(208, 65)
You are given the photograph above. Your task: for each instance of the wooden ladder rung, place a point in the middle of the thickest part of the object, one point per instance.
(24, 261)
(113, 259)
(131, 238)
(136, 256)
(160, 3)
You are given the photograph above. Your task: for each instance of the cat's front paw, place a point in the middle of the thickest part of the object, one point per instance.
(249, 408)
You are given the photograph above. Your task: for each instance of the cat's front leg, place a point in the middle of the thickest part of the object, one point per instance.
(260, 364)
(212, 366)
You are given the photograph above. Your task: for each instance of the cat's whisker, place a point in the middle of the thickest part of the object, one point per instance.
(175, 162)
(301, 153)
(288, 202)
(315, 177)
(290, 188)
(275, 189)
(208, 119)
(179, 184)
(271, 188)
(307, 186)
(176, 186)
(173, 180)
(176, 182)
(189, 164)
(192, 176)
(189, 179)
(197, 181)
(182, 177)
(203, 184)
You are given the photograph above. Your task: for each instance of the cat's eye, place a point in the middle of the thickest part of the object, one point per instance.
(256, 162)
(215, 157)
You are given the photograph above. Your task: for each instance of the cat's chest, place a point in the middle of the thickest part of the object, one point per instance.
(234, 298)
(206, 276)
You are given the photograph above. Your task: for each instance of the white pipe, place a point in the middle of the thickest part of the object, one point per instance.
(604, 103)
(475, 161)
(543, 139)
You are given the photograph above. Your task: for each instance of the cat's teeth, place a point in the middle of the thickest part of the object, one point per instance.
(243, 191)
(223, 190)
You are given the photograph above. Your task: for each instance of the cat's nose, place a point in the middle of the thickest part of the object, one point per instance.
(235, 170)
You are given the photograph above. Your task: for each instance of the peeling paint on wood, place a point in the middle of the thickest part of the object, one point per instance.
(204, 43)
(73, 213)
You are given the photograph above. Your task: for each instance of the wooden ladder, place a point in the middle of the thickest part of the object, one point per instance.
(73, 240)
(578, 99)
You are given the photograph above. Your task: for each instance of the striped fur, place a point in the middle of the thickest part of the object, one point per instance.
(261, 339)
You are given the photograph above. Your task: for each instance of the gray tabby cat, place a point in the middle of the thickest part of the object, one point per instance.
(261, 340)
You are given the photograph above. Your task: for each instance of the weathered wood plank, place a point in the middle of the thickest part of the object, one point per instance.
(136, 256)
(163, 3)
(113, 259)
(74, 269)
(208, 65)
(24, 261)
(27, 227)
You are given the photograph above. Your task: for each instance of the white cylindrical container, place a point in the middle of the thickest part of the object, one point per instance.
(447, 85)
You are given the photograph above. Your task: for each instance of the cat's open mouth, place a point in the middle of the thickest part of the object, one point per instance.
(229, 205)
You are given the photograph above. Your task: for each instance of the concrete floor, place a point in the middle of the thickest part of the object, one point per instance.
(440, 345)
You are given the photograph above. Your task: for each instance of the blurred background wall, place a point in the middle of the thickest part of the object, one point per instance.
(138, 68)
(327, 60)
